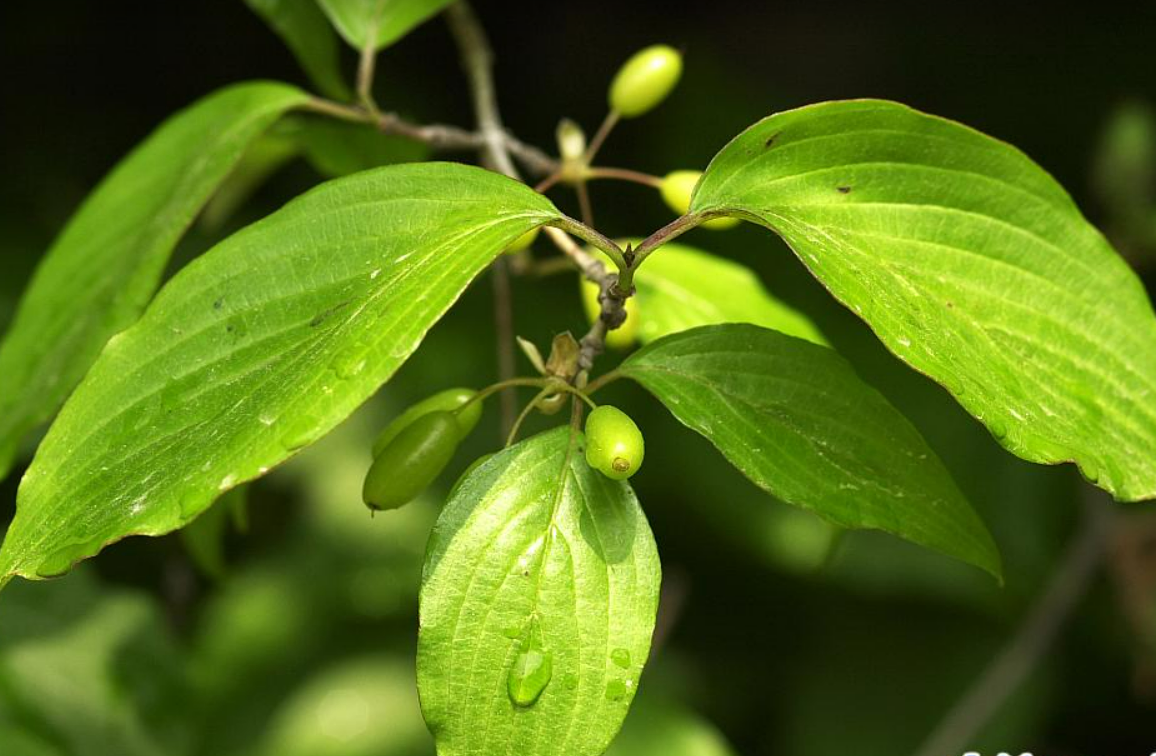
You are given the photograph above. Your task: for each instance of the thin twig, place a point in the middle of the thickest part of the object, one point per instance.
(1008, 669)
(437, 136)
(604, 130)
(478, 63)
(623, 174)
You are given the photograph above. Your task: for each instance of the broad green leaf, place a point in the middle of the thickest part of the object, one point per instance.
(794, 418)
(104, 267)
(307, 33)
(268, 154)
(541, 585)
(386, 20)
(972, 265)
(681, 287)
(256, 349)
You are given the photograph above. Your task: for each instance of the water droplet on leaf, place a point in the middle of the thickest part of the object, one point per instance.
(529, 676)
(621, 657)
(615, 690)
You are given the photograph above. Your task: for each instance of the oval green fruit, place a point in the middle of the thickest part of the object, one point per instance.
(448, 400)
(411, 461)
(645, 80)
(676, 189)
(614, 445)
(625, 335)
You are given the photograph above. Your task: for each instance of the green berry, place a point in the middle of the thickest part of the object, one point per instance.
(614, 444)
(645, 80)
(676, 189)
(411, 461)
(448, 400)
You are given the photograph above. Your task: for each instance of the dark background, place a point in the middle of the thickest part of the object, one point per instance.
(861, 654)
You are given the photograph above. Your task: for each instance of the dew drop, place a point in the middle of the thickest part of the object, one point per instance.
(267, 417)
(59, 562)
(299, 433)
(512, 632)
(621, 657)
(615, 690)
(529, 676)
(999, 429)
(348, 365)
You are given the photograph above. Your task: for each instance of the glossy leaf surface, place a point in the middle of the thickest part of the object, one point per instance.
(795, 419)
(256, 349)
(537, 606)
(105, 265)
(972, 265)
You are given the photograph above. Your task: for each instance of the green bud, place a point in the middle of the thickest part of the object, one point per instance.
(614, 444)
(411, 460)
(676, 189)
(645, 80)
(448, 400)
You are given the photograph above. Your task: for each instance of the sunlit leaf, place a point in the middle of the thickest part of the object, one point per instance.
(681, 287)
(797, 421)
(105, 265)
(256, 349)
(537, 605)
(972, 265)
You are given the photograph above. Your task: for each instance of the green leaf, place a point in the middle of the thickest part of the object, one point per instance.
(972, 265)
(307, 33)
(256, 349)
(681, 287)
(105, 265)
(539, 564)
(386, 20)
(794, 418)
(337, 148)
(265, 156)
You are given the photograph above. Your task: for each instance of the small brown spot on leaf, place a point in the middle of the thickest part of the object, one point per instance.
(843, 189)
(771, 140)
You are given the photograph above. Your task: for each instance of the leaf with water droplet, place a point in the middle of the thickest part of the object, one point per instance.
(529, 675)
(433, 226)
(534, 540)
